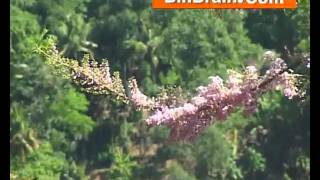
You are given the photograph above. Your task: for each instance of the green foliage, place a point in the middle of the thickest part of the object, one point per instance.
(299, 167)
(276, 29)
(217, 45)
(66, 19)
(57, 132)
(176, 172)
(40, 144)
(24, 28)
(214, 157)
(256, 162)
(43, 163)
(122, 165)
(68, 114)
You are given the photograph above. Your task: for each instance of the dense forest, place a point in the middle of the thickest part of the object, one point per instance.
(58, 131)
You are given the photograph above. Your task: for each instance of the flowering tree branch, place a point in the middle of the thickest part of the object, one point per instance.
(214, 102)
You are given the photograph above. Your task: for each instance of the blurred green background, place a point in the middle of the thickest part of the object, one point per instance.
(58, 132)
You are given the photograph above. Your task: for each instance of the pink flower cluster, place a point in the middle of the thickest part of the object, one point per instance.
(137, 97)
(217, 100)
(185, 118)
(281, 79)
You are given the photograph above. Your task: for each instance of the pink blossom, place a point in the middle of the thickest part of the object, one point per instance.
(251, 70)
(137, 97)
(234, 79)
(288, 82)
(289, 93)
(216, 101)
(276, 67)
(198, 100)
(216, 82)
(189, 108)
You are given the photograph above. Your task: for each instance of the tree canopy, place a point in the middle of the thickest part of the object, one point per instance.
(58, 131)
